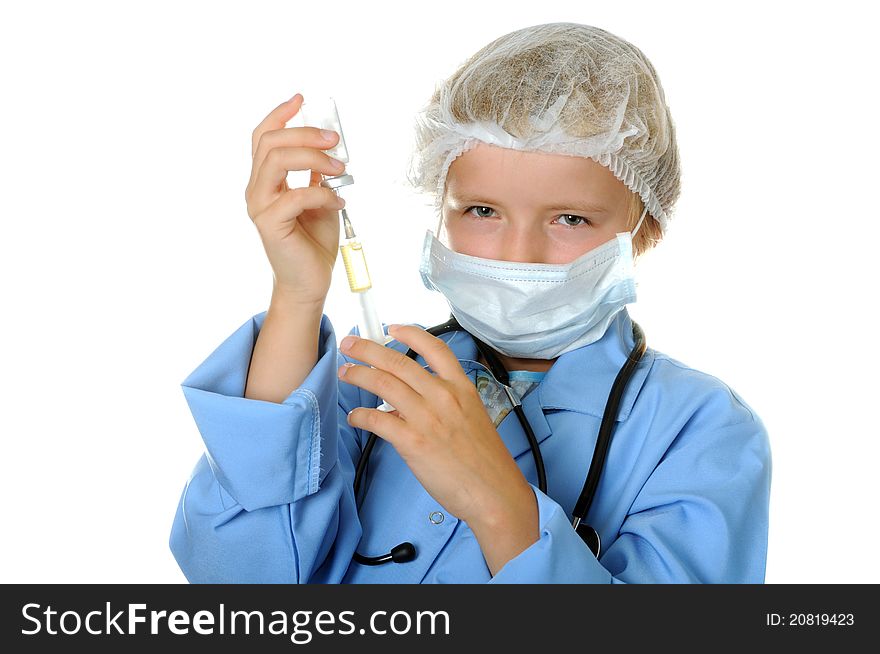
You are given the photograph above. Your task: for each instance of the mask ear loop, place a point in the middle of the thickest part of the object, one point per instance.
(440, 227)
(640, 222)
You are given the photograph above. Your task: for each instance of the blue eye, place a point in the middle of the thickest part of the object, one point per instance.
(583, 220)
(478, 215)
(480, 211)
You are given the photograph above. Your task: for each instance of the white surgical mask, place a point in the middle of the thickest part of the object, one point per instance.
(534, 310)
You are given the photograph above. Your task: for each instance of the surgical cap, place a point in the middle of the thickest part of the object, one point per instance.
(559, 88)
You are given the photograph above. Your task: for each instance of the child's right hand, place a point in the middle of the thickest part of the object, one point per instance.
(299, 227)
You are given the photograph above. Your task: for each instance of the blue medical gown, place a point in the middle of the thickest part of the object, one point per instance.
(684, 497)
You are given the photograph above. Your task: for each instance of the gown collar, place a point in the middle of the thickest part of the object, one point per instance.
(579, 380)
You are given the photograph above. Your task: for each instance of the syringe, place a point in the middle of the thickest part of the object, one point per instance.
(359, 282)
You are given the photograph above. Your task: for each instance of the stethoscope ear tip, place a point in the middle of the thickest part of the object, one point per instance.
(591, 537)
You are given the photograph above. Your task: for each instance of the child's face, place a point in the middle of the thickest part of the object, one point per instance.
(530, 206)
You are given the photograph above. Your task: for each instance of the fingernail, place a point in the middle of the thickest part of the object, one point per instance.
(295, 96)
(347, 342)
(344, 368)
(327, 135)
(393, 328)
(336, 163)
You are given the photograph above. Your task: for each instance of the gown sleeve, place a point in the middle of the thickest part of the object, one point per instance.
(701, 516)
(271, 499)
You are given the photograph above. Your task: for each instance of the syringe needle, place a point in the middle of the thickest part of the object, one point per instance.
(346, 224)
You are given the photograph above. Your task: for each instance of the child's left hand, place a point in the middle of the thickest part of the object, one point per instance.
(440, 428)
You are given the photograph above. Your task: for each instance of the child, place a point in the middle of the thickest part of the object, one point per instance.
(552, 157)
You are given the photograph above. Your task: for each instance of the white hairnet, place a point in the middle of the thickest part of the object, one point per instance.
(561, 88)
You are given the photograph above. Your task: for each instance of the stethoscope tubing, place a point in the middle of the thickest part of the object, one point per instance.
(406, 551)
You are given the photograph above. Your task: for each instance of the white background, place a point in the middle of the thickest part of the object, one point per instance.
(127, 255)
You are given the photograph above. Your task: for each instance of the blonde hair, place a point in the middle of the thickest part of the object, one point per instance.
(649, 234)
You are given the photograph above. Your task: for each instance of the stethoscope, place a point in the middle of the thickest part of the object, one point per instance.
(407, 552)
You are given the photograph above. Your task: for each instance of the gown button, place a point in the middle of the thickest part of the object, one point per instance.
(436, 517)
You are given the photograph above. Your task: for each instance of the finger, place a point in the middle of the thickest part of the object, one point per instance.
(410, 404)
(391, 361)
(280, 161)
(292, 203)
(385, 425)
(276, 119)
(434, 351)
(315, 178)
(304, 137)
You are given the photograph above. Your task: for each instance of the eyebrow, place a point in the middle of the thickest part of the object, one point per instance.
(579, 205)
